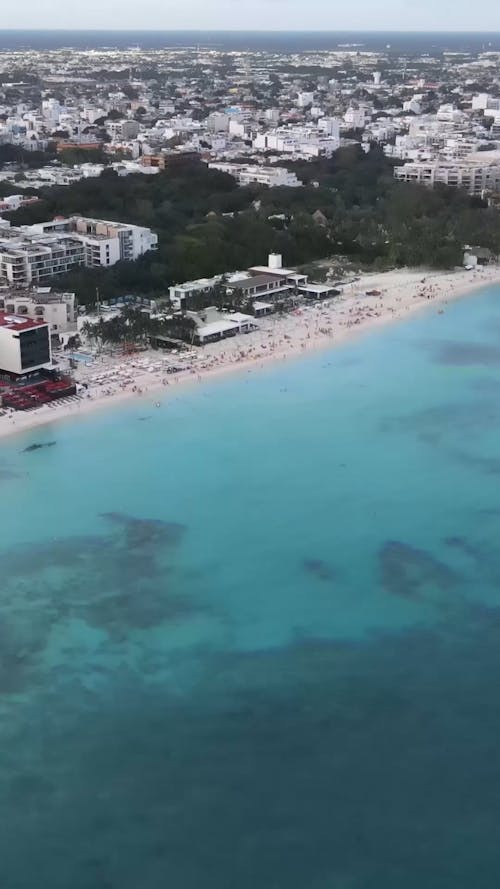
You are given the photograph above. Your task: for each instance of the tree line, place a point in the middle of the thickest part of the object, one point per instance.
(208, 225)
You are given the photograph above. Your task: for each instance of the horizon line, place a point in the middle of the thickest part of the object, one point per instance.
(133, 30)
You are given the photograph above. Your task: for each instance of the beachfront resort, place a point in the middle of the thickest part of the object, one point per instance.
(44, 375)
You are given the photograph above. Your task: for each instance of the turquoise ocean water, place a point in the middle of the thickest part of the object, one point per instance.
(252, 638)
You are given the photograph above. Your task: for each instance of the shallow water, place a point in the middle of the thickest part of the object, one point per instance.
(256, 641)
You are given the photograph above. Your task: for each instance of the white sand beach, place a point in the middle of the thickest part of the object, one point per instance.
(111, 379)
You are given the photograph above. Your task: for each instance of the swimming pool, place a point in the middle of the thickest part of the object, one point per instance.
(81, 356)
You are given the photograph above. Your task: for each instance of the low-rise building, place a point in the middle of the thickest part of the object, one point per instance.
(58, 310)
(15, 201)
(475, 178)
(483, 101)
(24, 345)
(300, 141)
(247, 174)
(181, 295)
(170, 159)
(355, 118)
(212, 325)
(304, 99)
(259, 282)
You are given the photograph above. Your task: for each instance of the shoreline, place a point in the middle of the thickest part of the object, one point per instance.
(309, 329)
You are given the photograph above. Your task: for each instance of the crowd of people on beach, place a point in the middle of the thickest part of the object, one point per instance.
(362, 304)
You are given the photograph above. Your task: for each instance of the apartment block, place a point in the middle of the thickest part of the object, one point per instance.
(302, 141)
(474, 178)
(26, 260)
(33, 254)
(105, 242)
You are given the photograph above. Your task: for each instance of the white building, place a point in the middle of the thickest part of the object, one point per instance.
(51, 111)
(247, 174)
(475, 178)
(32, 254)
(330, 126)
(236, 128)
(380, 131)
(217, 122)
(449, 113)
(181, 294)
(461, 146)
(483, 101)
(355, 118)
(255, 283)
(412, 106)
(104, 242)
(305, 99)
(26, 260)
(272, 114)
(428, 125)
(302, 141)
(213, 325)
(14, 201)
(24, 345)
(58, 310)
(91, 114)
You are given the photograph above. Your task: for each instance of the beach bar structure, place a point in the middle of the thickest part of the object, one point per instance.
(212, 325)
(259, 282)
(43, 391)
(319, 291)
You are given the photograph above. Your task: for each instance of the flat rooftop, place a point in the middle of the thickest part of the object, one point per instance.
(16, 322)
(254, 281)
(280, 273)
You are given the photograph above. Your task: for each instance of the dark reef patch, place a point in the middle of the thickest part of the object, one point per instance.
(465, 546)
(319, 569)
(119, 581)
(457, 420)
(484, 557)
(412, 572)
(144, 532)
(22, 642)
(467, 354)
(35, 558)
(488, 465)
(138, 609)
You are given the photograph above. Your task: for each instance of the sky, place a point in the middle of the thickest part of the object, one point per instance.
(363, 15)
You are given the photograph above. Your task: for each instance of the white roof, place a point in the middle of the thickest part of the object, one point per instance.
(317, 288)
(267, 270)
(216, 327)
(240, 317)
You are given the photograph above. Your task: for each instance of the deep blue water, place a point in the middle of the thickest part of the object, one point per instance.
(252, 638)
(272, 41)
